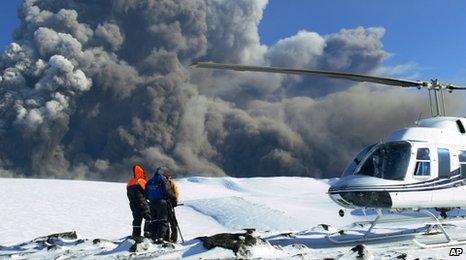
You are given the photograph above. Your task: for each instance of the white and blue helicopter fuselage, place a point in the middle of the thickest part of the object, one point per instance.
(415, 168)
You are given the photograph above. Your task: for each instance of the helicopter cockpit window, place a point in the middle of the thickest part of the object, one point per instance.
(387, 161)
(422, 162)
(462, 157)
(357, 160)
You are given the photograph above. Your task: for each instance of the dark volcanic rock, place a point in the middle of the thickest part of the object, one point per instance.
(57, 239)
(51, 238)
(239, 243)
(359, 252)
(53, 247)
(360, 249)
(325, 226)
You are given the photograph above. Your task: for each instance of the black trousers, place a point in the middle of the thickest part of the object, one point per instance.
(172, 233)
(138, 215)
(159, 212)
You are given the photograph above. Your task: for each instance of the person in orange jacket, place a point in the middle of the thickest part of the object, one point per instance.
(135, 190)
(172, 234)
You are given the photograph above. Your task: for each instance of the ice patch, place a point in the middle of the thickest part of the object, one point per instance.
(228, 183)
(238, 213)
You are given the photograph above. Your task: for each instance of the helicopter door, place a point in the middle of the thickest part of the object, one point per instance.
(444, 170)
(422, 169)
(443, 196)
(462, 159)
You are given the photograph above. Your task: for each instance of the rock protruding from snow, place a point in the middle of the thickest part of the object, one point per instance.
(54, 242)
(58, 236)
(324, 228)
(359, 252)
(244, 245)
(70, 245)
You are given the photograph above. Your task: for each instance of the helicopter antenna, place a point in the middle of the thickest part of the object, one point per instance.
(430, 103)
(443, 102)
(436, 103)
(418, 118)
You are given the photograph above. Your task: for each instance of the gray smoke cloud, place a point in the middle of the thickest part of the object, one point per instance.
(90, 87)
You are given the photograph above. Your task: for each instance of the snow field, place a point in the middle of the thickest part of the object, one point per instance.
(286, 212)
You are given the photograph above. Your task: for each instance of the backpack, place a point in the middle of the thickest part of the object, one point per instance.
(156, 188)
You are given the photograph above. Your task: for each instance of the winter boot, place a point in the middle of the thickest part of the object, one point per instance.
(147, 229)
(159, 241)
(136, 232)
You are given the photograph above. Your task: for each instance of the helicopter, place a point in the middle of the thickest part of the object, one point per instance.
(415, 169)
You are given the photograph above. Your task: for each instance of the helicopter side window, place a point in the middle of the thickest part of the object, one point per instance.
(443, 163)
(462, 157)
(422, 162)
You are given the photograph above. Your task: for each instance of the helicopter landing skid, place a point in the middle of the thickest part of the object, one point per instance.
(449, 241)
(369, 236)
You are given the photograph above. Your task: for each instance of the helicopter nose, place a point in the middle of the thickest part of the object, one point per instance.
(337, 198)
(363, 199)
(348, 193)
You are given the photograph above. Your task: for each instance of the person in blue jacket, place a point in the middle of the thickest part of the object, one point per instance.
(159, 192)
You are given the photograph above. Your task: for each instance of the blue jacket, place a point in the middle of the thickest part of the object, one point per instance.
(156, 188)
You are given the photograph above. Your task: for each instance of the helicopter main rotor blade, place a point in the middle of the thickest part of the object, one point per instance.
(451, 87)
(329, 74)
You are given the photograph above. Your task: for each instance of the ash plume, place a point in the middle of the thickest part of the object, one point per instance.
(88, 88)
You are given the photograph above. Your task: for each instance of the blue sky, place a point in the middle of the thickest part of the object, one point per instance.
(8, 20)
(428, 33)
(431, 34)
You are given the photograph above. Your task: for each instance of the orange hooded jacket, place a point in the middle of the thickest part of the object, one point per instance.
(139, 177)
(175, 190)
